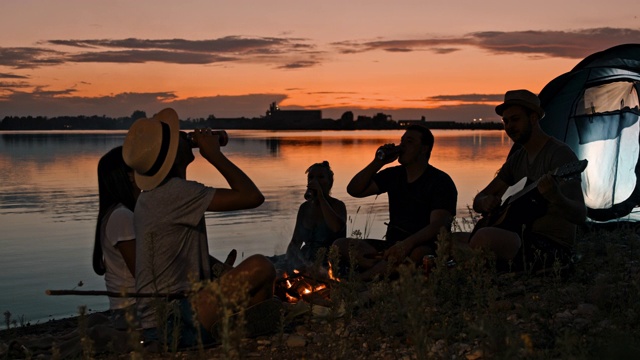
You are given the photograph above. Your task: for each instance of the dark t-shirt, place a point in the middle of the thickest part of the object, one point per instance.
(411, 204)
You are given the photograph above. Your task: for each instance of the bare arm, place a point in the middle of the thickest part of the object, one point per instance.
(296, 240)
(566, 198)
(362, 185)
(490, 197)
(128, 251)
(243, 193)
(334, 212)
(335, 216)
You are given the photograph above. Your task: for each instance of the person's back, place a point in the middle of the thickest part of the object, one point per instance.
(173, 256)
(116, 227)
(174, 252)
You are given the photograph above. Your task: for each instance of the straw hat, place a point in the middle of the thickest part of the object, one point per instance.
(151, 146)
(523, 98)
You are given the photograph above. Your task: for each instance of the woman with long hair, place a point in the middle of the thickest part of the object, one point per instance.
(114, 250)
(321, 218)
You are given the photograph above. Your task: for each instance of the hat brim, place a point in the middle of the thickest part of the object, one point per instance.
(169, 117)
(500, 108)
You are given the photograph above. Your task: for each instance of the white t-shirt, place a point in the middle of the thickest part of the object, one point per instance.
(116, 227)
(172, 250)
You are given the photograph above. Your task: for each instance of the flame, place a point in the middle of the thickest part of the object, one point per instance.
(296, 287)
(330, 273)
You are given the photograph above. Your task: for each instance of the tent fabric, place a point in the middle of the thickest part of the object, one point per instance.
(606, 126)
(595, 109)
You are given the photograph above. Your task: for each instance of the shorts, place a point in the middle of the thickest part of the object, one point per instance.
(379, 245)
(537, 252)
(182, 317)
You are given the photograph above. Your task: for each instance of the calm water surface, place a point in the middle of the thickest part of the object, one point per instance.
(49, 201)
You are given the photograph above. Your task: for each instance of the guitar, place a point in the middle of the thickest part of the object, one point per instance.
(526, 205)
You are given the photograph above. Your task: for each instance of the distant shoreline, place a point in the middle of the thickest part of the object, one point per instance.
(363, 123)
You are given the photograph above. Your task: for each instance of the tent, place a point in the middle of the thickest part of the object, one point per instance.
(595, 109)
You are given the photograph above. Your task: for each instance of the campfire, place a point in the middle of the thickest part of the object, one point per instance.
(297, 287)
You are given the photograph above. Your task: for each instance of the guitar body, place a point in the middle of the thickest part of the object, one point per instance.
(527, 205)
(513, 215)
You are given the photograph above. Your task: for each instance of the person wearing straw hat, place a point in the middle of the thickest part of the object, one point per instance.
(172, 246)
(531, 241)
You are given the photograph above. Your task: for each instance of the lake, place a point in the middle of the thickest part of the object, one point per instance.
(49, 200)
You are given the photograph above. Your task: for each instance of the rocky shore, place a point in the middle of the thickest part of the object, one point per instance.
(590, 310)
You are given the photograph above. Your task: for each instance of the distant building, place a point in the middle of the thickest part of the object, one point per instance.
(293, 116)
(429, 124)
(405, 123)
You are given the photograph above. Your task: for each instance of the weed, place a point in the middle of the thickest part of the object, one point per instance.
(85, 339)
(465, 310)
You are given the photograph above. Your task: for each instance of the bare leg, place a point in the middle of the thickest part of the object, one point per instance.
(256, 272)
(378, 269)
(505, 244)
(366, 256)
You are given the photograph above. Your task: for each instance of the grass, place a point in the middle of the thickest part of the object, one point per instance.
(466, 311)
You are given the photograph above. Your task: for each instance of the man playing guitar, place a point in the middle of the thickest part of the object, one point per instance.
(543, 237)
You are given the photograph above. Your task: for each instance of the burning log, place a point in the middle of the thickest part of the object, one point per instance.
(304, 287)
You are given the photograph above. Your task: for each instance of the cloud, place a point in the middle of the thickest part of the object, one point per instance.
(12, 76)
(270, 50)
(435, 45)
(137, 56)
(299, 53)
(299, 64)
(466, 98)
(285, 53)
(227, 44)
(566, 44)
(573, 44)
(330, 92)
(29, 57)
(10, 85)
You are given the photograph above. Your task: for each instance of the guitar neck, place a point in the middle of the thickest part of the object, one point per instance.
(523, 192)
(560, 173)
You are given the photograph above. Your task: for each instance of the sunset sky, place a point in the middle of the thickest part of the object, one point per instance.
(445, 60)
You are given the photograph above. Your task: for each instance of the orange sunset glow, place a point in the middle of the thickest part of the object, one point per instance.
(408, 59)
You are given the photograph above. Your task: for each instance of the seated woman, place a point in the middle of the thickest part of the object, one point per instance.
(321, 219)
(114, 254)
(114, 250)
